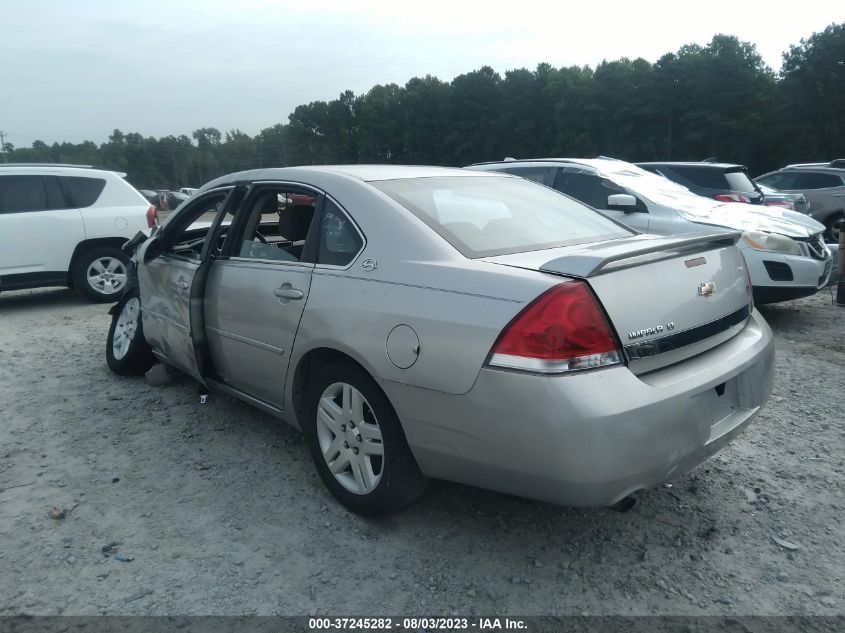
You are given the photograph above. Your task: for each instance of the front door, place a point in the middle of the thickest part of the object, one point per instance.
(256, 291)
(172, 280)
(594, 190)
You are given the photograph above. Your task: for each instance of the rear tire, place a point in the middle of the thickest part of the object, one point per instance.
(834, 225)
(357, 442)
(100, 273)
(127, 351)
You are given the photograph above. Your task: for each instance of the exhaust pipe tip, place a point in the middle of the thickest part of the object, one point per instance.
(624, 504)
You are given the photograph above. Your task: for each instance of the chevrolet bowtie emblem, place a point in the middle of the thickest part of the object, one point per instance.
(706, 289)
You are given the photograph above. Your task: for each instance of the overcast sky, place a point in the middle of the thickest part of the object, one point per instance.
(73, 70)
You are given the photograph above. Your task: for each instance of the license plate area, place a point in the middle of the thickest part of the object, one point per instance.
(717, 407)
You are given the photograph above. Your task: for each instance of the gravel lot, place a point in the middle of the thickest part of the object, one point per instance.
(222, 511)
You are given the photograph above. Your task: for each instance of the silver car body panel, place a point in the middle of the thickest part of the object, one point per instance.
(566, 438)
(590, 438)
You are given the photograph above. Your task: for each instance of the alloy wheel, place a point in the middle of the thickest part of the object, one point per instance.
(125, 328)
(106, 275)
(350, 438)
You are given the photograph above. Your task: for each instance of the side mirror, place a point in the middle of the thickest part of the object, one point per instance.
(153, 248)
(623, 201)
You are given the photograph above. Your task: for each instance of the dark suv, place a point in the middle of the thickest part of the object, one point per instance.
(723, 181)
(824, 186)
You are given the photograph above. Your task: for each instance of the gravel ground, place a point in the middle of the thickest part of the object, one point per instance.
(221, 510)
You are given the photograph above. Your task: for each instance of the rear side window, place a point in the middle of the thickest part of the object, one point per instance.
(818, 181)
(339, 241)
(781, 180)
(488, 216)
(709, 178)
(543, 175)
(83, 190)
(22, 194)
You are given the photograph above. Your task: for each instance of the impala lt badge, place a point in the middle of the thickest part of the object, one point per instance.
(657, 329)
(706, 289)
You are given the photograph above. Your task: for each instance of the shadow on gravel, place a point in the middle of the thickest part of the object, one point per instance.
(15, 301)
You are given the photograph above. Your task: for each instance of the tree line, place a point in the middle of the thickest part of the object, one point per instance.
(719, 100)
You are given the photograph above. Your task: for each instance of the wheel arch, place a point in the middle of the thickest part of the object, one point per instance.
(309, 363)
(86, 245)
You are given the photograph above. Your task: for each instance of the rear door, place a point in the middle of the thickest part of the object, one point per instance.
(39, 227)
(172, 281)
(257, 289)
(825, 192)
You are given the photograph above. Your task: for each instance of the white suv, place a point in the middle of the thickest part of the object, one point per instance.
(63, 225)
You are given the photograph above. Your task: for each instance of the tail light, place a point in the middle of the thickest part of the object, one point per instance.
(780, 203)
(152, 217)
(562, 330)
(732, 197)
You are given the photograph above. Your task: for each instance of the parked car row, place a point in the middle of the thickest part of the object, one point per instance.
(823, 184)
(816, 189)
(785, 251)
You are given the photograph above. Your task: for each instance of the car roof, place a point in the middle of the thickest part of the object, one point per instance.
(696, 164)
(53, 167)
(364, 173)
(602, 165)
(824, 169)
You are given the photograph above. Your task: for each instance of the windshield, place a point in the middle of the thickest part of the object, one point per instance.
(487, 216)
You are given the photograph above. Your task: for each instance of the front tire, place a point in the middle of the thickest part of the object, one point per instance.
(127, 351)
(101, 273)
(357, 442)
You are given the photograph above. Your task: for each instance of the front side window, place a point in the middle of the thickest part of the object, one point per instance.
(185, 235)
(484, 216)
(22, 194)
(587, 187)
(785, 180)
(277, 225)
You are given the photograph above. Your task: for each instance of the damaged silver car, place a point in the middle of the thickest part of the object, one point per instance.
(421, 322)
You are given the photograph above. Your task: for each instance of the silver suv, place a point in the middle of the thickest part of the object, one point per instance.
(63, 225)
(824, 186)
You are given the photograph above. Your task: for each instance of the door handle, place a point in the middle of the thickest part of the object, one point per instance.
(838, 195)
(287, 293)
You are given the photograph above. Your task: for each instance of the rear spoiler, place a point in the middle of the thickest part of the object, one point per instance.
(588, 264)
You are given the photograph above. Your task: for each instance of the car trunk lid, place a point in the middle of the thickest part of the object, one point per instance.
(668, 298)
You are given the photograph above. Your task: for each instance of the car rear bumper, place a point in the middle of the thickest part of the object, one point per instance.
(594, 437)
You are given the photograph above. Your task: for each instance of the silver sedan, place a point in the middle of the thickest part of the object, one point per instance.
(421, 322)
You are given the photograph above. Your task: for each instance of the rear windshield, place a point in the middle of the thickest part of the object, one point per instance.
(495, 216)
(739, 181)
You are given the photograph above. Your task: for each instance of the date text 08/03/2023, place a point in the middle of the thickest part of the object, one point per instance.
(427, 623)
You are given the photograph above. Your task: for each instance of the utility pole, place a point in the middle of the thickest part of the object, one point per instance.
(3, 145)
